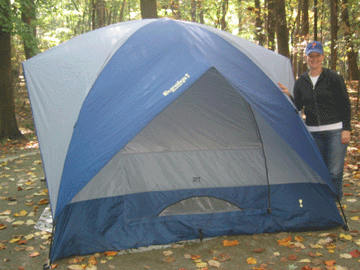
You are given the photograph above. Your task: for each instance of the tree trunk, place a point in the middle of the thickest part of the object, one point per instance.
(122, 11)
(100, 13)
(304, 33)
(259, 23)
(240, 16)
(201, 12)
(27, 16)
(281, 29)
(8, 125)
(148, 9)
(350, 51)
(225, 5)
(334, 30)
(193, 10)
(315, 19)
(271, 24)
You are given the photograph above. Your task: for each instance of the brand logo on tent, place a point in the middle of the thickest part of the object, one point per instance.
(177, 85)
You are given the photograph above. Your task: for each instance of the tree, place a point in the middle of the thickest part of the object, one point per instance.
(29, 39)
(350, 51)
(271, 24)
(334, 32)
(281, 29)
(8, 124)
(259, 24)
(148, 9)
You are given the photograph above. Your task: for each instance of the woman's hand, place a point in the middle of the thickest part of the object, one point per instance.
(284, 89)
(345, 136)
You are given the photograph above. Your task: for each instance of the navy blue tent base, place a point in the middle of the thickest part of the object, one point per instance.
(111, 224)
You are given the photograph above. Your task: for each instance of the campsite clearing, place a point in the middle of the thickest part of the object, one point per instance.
(24, 247)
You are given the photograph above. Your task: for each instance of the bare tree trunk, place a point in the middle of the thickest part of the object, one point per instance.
(281, 29)
(334, 30)
(201, 12)
(315, 19)
(100, 13)
(225, 5)
(8, 125)
(271, 24)
(239, 16)
(304, 33)
(259, 24)
(193, 10)
(121, 17)
(350, 51)
(27, 16)
(148, 9)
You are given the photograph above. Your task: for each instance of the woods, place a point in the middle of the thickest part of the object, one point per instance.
(28, 27)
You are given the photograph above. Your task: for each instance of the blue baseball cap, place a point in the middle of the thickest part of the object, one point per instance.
(314, 46)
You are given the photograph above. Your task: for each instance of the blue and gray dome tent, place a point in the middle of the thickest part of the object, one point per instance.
(153, 130)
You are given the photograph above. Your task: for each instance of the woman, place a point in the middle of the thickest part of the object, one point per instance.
(323, 95)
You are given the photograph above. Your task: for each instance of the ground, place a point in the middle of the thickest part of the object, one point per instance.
(23, 198)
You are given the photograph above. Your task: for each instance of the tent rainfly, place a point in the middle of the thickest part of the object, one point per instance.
(152, 131)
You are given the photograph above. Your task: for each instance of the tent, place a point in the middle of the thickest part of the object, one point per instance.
(155, 131)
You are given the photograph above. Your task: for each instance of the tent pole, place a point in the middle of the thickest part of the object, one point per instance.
(346, 226)
(47, 266)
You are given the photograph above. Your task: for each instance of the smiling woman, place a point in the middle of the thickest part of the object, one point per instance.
(323, 95)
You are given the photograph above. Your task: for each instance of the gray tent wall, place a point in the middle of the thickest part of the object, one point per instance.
(208, 138)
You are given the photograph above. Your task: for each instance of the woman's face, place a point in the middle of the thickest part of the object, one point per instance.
(314, 60)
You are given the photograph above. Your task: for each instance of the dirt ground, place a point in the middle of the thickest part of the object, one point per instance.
(24, 197)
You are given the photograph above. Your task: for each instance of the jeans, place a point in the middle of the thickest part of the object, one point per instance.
(333, 153)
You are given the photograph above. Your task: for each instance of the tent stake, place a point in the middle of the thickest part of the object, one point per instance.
(346, 226)
(201, 235)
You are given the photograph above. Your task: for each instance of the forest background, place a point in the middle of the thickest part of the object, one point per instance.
(29, 27)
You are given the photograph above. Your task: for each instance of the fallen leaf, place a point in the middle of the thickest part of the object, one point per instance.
(345, 256)
(2, 226)
(110, 253)
(92, 260)
(18, 223)
(227, 243)
(259, 250)
(292, 257)
(201, 264)
(91, 267)
(168, 259)
(224, 257)
(75, 267)
(299, 238)
(344, 236)
(5, 213)
(214, 263)
(77, 259)
(285, 241)
(195, 257)
(34, 254)
(330, 263)
(43, 201)
(22, 242)
(251, 260)
(14, 240)
(21, 214)
(355, 253)
(167, 252)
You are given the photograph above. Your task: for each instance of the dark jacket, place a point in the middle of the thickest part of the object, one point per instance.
(326, 103)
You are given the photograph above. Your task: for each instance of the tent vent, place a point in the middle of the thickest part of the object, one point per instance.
(199, 205)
